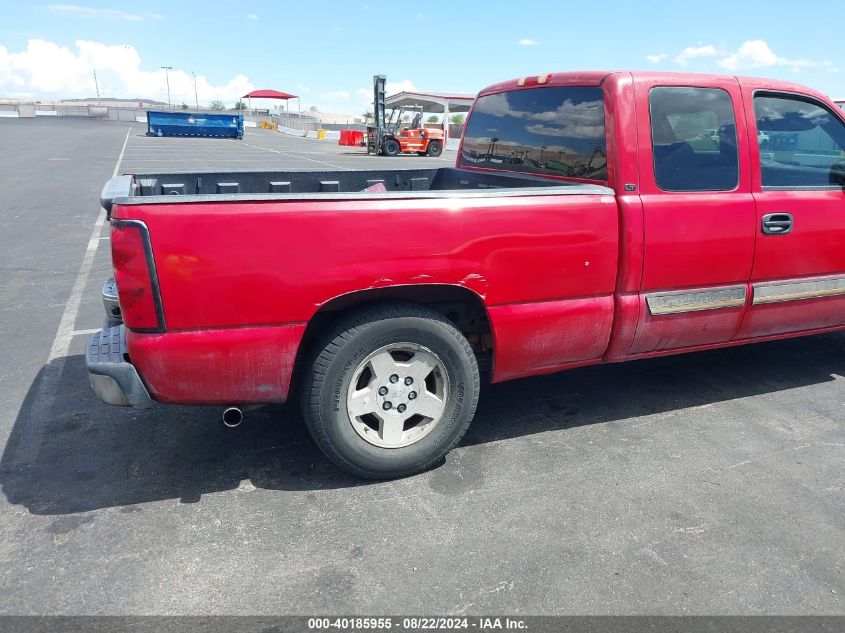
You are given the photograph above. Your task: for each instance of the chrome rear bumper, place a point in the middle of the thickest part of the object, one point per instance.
(110, 303)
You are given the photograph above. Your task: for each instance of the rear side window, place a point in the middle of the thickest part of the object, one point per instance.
(801, 143)
(693, 137)
(556, 131)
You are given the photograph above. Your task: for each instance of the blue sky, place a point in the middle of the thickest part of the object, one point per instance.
(327, 51)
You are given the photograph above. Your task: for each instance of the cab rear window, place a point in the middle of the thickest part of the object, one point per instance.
(554, 131)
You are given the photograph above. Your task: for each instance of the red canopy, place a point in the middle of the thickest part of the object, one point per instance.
(268, 94)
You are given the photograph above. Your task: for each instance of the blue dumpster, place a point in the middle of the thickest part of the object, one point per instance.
(195, 124)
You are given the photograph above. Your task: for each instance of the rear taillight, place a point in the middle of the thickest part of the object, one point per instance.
(134, 273)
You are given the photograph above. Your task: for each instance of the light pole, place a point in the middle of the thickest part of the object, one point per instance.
(167, 78)
(196, 99)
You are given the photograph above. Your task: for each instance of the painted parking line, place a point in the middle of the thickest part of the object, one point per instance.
(132, 161)
(50, 378)
(321, 162)
(64, 334)
(87, 332)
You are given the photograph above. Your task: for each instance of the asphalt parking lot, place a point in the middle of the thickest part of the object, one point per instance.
(710, 483)
(259, 149)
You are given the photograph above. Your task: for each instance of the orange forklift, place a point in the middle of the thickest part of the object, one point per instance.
(395, 134)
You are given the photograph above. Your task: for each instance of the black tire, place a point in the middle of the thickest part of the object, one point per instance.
(435, 148)
(341, 352)
(390, 148)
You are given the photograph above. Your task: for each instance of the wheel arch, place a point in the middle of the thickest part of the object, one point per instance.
(463, 307)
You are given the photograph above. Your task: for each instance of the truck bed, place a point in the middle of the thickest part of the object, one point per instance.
(293, 185)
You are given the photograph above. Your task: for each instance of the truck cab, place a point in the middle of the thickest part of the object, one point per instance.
(729, 192)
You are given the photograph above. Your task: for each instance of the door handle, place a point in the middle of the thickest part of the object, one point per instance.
(777, 223)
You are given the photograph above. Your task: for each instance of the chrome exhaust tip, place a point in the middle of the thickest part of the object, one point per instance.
(233, 417)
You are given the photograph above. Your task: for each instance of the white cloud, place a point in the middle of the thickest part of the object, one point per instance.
(498, 105)
(656, 59)
(360, 99)
(694, 52)
(528, 42)
(252, 16)
(567, 132)
(392, 87)
(46, 70)
(751, 54)
(758, 54)
(109, 14)
(344, 102)
(585, 120)
(353, 102)
(303, 88)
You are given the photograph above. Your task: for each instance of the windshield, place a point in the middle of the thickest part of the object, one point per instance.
(556, 131)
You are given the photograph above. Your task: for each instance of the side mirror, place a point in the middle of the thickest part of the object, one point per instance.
(837, 174)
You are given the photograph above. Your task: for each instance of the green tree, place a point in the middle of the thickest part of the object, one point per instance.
(217, 105)
(240, 105)
(456, 119)
(184, 106)
(368, 116)
(433, 119)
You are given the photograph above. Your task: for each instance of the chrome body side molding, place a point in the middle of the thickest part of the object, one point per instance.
(678, 301)
(778, 291)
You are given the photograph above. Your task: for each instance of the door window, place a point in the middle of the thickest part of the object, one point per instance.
(693, 135)
(801, 143)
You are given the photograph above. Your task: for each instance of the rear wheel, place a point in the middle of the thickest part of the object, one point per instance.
(390, 148)
(435, 148)
(390, 391)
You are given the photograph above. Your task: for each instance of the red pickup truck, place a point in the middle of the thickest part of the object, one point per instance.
(591, 217)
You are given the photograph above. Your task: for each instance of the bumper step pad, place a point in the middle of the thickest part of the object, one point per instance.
(113, 378)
